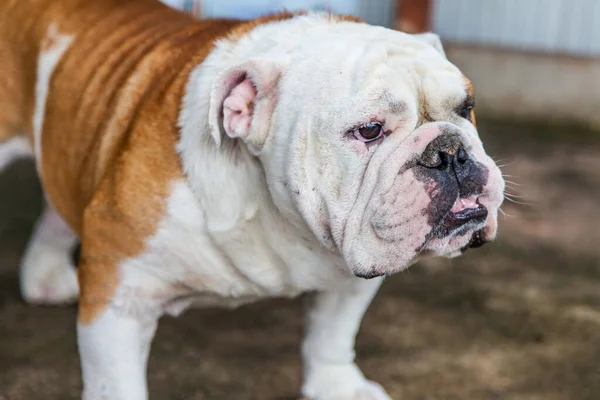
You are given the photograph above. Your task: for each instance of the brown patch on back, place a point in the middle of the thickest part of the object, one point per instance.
(110, 125)
(11, 97)
(125, 176)
(17, 55)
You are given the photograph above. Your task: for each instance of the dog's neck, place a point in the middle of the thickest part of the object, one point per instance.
(231, 161)
(230, 187)
(228, 179)
(284, 40)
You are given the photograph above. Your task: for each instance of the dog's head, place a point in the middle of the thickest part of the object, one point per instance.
(367, 135)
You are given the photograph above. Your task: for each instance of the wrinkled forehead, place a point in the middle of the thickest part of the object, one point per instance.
(357, 62)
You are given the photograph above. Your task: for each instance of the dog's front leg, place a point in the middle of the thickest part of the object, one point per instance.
(334, 317)
(114, 350)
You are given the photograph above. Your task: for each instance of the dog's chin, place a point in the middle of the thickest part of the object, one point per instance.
(455, 245)
(385, 263)
(387, 266)
(386, 259)
(464, 226)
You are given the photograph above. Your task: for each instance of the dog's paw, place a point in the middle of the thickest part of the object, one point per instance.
(340, 382)
(48, 277)
(48, 274)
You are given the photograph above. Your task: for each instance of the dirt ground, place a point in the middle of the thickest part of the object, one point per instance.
(518, 319)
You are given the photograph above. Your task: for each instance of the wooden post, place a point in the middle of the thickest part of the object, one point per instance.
(413, 16)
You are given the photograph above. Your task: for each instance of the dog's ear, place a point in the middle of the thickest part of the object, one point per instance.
(433, 40)
(242, 101)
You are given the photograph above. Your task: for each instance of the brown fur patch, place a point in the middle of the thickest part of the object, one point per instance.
(109, 129)
(348, 18)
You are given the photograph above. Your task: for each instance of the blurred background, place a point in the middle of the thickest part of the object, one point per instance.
(529, 57)
(517, 319)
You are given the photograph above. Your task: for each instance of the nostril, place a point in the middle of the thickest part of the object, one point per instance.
(444, 152)
(461, 155)
(436, 160)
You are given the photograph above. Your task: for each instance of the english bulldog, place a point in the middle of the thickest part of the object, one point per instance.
(219, 162)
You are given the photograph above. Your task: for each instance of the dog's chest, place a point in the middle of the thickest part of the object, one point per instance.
(185, 263)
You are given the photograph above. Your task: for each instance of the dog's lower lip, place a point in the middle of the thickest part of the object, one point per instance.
(369, 274)
(471, 213)
(455, 220)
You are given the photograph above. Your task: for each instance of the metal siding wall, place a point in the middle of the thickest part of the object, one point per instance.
(249, 9)
(562, 26)
(377, 12)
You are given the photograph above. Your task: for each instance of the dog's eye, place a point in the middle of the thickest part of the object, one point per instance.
(466, 112)
(369, 132)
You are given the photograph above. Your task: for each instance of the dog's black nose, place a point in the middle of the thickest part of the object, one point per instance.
(443, 160)
(447, 153)
(443, 152)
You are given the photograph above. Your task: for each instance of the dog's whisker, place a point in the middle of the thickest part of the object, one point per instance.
(517, 201)
(508, 164)
(512, 191)
(510, 176)
(512, 187)
(504, 213)
(514, 195)
(514, 183)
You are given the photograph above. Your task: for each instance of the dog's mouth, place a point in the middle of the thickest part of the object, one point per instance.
(465, 211)
(466, 214)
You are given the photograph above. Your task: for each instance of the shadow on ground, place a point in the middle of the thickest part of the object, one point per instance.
(518, 319)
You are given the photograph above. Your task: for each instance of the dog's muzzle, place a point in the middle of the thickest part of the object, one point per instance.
(460, 179)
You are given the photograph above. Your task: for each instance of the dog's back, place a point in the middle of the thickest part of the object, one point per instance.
(17, 66)
(91, 66)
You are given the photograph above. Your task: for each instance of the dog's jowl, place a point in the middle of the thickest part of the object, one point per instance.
(221, 162)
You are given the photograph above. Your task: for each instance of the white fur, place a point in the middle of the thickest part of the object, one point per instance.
(47, 274)
(328, 349)
(48, 58)
(114, 353)
(287, 209)
(219, 262)
(13, 149)
(334, 75)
